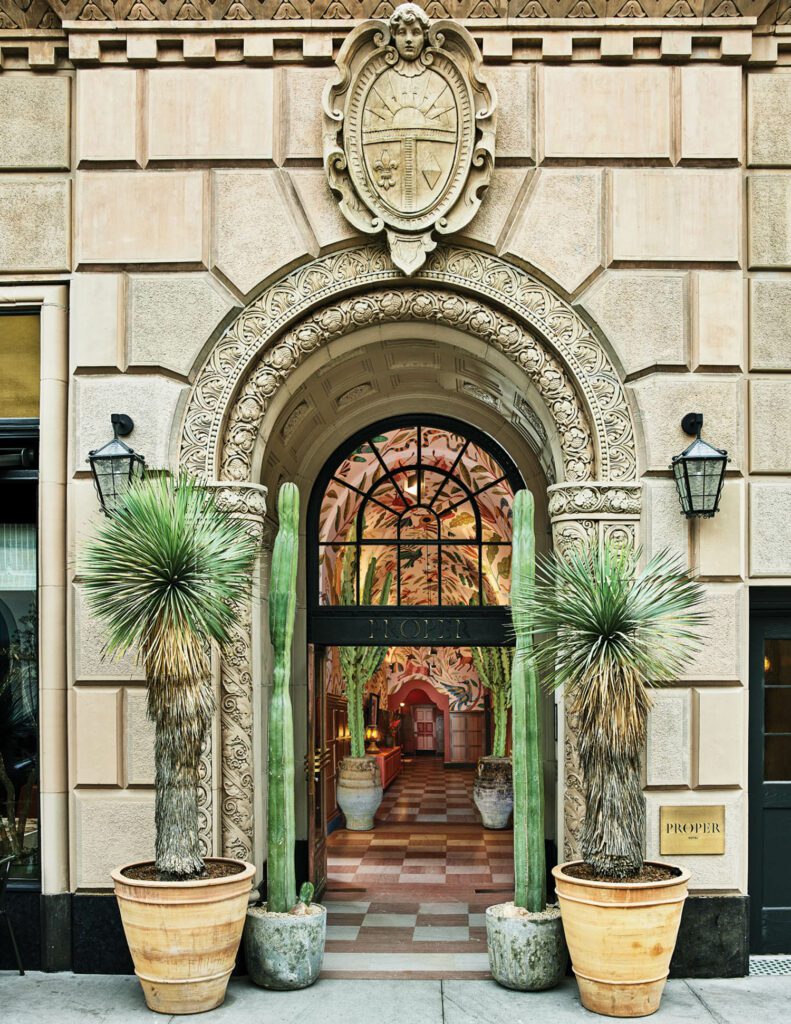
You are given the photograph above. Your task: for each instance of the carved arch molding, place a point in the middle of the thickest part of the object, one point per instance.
(337, 294)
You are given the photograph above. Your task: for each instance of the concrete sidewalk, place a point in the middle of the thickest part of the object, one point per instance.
(94, 999)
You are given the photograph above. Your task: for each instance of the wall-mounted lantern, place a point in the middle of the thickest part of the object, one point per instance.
(116, 466)
(699, 471)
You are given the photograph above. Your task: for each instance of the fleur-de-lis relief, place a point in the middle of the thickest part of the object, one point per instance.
(385, 168)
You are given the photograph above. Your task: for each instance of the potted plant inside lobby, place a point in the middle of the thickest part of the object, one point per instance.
(492, 789)
(359, 788)
(527, 950)
(614, 630)
(284, 937)
(162, 572)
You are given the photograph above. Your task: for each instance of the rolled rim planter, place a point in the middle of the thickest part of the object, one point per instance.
(527, 952)
(183, 936)
(493, 792)
(359, 792)
(285, 951)
(621, 936)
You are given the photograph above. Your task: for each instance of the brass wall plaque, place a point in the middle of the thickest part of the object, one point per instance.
(692, 829)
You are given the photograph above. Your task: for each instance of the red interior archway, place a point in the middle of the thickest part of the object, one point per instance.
(412, 692)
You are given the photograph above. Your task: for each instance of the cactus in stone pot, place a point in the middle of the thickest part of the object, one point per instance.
(284, 939)
(281, 878)
(527, 950)
(492, 789)
(359, 786)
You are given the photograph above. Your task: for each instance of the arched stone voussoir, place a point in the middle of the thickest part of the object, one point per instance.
(474, 291)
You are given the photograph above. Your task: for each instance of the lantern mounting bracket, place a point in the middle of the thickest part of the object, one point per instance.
(123, 425)
(692, 424)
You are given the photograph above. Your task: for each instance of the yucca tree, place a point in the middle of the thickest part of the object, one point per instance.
(162, 574)
(614, 630)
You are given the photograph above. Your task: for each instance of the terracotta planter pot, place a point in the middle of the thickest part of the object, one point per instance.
(359, 792)
(621, 936)
(183, 936)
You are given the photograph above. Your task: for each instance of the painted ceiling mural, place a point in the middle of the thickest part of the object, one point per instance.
(431, 507)
(449, 670)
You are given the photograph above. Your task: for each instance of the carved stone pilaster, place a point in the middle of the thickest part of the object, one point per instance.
(246, 502)
(578, 512)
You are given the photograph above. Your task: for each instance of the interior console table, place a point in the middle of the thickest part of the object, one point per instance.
(389, 759)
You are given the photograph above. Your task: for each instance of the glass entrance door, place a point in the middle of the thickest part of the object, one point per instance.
(770, 782)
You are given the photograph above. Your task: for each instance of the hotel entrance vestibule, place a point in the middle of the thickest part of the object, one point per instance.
(409, 550)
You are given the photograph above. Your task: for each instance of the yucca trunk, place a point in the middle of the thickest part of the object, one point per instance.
(281, 879)
(182, 716)
(612, 838)
(528, 778)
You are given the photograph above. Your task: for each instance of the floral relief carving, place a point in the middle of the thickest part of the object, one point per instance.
(536, 311)
(540, 365)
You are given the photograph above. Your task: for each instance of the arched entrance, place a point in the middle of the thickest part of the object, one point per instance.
(408, 551)
(563, 381)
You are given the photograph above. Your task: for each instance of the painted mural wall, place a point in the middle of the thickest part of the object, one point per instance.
(448, 670)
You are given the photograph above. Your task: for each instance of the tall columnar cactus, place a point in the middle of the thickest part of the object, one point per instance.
(281, 878)
(528, 778)
(358, 664)
(493, 665)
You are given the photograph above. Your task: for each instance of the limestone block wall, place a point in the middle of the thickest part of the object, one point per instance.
(648, 182)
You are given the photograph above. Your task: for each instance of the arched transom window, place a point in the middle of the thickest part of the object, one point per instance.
(422, 507)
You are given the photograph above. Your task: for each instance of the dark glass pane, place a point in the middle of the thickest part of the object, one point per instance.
(19, 768)
(459, 523)
(336, 562)
(496, 573)
(777, 758)
(777, 662)
(419, 565)
(460, 577)
(338, 511)
(419, 524)
(440, 447)
(777, 709)
(378, 523)
(383, 557)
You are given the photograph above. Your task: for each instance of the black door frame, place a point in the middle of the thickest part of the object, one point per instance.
(769, 607)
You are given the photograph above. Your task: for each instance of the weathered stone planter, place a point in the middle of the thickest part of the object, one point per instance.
(285, 951)
(527, 952)
(493, 791)
(359, 792)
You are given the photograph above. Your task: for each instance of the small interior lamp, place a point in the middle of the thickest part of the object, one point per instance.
(371, 736)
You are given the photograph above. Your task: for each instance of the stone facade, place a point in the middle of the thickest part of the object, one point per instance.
(630, 263)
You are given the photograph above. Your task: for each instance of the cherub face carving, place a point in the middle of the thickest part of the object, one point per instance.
(409, 40)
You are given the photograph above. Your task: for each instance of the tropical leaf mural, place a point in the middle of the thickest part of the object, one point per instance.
(420, 522)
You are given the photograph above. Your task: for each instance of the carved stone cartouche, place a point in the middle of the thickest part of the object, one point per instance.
(409, 131)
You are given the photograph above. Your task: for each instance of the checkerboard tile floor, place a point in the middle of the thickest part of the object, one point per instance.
(428, 832)
(407, 900)
(426, 791)
(393, 856)
(381, 938)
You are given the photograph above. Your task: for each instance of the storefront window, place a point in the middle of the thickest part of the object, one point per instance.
(19, 733)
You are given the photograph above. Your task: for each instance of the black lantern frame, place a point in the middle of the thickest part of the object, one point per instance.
(699, 472)
(115, 466)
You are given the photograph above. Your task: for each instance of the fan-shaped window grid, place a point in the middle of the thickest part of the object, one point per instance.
(423, 507)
